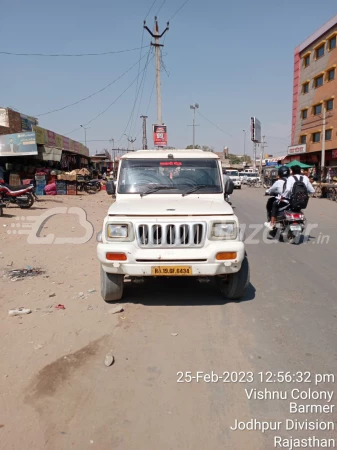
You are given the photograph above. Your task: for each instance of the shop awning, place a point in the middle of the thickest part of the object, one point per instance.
(49, 153)
(298, 163)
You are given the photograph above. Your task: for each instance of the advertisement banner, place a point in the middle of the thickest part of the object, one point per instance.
(27, 122)
(66, 144)
(58, 140)
(159, 135)
(76, 147)
(297, 149)
(334, 154)
(255, 130)
(4, 121)
(51, 138)
(19, 144)
(40, 135)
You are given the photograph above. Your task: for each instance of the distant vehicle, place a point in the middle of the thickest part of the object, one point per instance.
(251, 176)
(234, 176)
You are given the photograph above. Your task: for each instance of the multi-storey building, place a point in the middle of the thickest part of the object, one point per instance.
(315, 89)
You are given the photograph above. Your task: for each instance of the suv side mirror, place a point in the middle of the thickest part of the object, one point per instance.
(110, 188)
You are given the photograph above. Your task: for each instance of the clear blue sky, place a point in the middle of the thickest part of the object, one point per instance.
(234, 58)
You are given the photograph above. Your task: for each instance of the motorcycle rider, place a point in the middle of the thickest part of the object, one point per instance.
(276, 203)
(296, 176)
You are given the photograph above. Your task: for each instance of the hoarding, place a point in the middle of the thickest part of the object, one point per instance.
(19, 144)
(4, 121)
(159, 135)
(51, 139)
(255, 130)
(297, 149)
(27, 122)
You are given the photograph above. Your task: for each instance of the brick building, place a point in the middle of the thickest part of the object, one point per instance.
(315, 88)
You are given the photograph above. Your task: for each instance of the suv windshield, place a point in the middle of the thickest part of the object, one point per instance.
(175, 176)
(232, 173)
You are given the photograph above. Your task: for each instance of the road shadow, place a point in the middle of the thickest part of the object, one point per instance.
(178, 292)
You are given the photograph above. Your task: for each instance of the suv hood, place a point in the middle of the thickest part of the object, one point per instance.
(170, 207)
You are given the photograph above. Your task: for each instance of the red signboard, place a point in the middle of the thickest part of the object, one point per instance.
(297, 149)
(51, 138)
(66, 143)
(76, 147)
(160, 135)
(334, 154)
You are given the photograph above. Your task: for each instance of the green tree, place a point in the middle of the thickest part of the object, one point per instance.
(235, 159)
(191, 146)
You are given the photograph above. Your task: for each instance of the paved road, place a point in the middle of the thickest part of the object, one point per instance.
(286, 323)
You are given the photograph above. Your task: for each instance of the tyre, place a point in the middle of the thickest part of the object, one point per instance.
(29, 204)
(1, 211)
(112, 286)
(239, 187)
(237, 283)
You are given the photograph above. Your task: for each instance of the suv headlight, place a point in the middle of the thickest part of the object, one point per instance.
(119, 231)
(223, 230)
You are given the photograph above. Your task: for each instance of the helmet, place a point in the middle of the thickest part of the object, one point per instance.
(283, 172)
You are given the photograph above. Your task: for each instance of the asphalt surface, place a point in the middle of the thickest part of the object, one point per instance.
(286, 323)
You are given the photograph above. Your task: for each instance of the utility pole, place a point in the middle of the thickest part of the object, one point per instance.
(194, 107)
(131, 141)
(254, 156)
(156, 36)
(263, 144)
(323, 146)
(85, 133)
(244, 144)
(112, 140)
(144, 132)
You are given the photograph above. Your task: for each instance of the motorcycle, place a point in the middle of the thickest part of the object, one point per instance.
(22, 195)
(289, 225)
(91, 187)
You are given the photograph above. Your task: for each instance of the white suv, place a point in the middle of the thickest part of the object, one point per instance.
(170, 219)
(234, 176)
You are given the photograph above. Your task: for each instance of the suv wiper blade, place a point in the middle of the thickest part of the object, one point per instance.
(196, 188)
(156, 188)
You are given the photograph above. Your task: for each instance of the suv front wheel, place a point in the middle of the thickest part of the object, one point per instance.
(112, 286)
(235, 286)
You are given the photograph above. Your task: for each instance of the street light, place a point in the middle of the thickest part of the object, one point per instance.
(112, 140)
(194, 107)
(129, 138)
(85, 133)
(244, 144)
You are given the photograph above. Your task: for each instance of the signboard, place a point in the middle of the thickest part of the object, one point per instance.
(334, 154)
(19, 144)
(51, 139)
(255, 130)
(160, 135)
(27, 122)
(271, 163)
(297, 149)
(4, 121)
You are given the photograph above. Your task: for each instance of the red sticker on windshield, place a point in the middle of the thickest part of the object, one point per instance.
(170, 163)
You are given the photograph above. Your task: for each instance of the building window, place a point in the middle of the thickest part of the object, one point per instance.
(331, 74)
(329, 105)
(328, 135)
(320, 51)
(318, 82)
(317, 109)
(303, 139)
(304, 114)
(332, 43)
(316, 137)
(306, 61)
(305, 88)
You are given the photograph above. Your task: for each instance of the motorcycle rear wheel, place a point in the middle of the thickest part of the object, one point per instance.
(29, 204)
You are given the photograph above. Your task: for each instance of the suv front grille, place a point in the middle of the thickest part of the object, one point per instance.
(171, 235)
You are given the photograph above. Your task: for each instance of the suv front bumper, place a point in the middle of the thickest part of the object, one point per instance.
(139, 262)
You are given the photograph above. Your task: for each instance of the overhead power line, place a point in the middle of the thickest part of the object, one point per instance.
(164, 1)
(154, 1)
(93, 94)
(69, 55)
(125, 90)
(178, 10)
(214, 125)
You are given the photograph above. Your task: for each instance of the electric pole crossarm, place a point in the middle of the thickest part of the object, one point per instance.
(156, 36)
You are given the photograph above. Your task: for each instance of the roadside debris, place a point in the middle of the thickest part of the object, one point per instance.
(52, 294)
(117, 309)
(59, 306)
(81, 294)
(90, 308)
(38, 347)
(174, 334)
(109, 360)
(91, 291)
(20, 274)
(19, 311)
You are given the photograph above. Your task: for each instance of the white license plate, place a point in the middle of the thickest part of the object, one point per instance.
(295, 227)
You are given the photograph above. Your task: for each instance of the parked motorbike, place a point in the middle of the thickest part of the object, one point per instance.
(289, 225)
(91, 187)
(23, 195)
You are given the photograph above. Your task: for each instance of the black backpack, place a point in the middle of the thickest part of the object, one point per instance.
(299, 195)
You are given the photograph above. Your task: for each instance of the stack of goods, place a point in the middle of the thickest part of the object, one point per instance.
(14, 179)
(41, 183)
(61, 187)
(71, 188)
